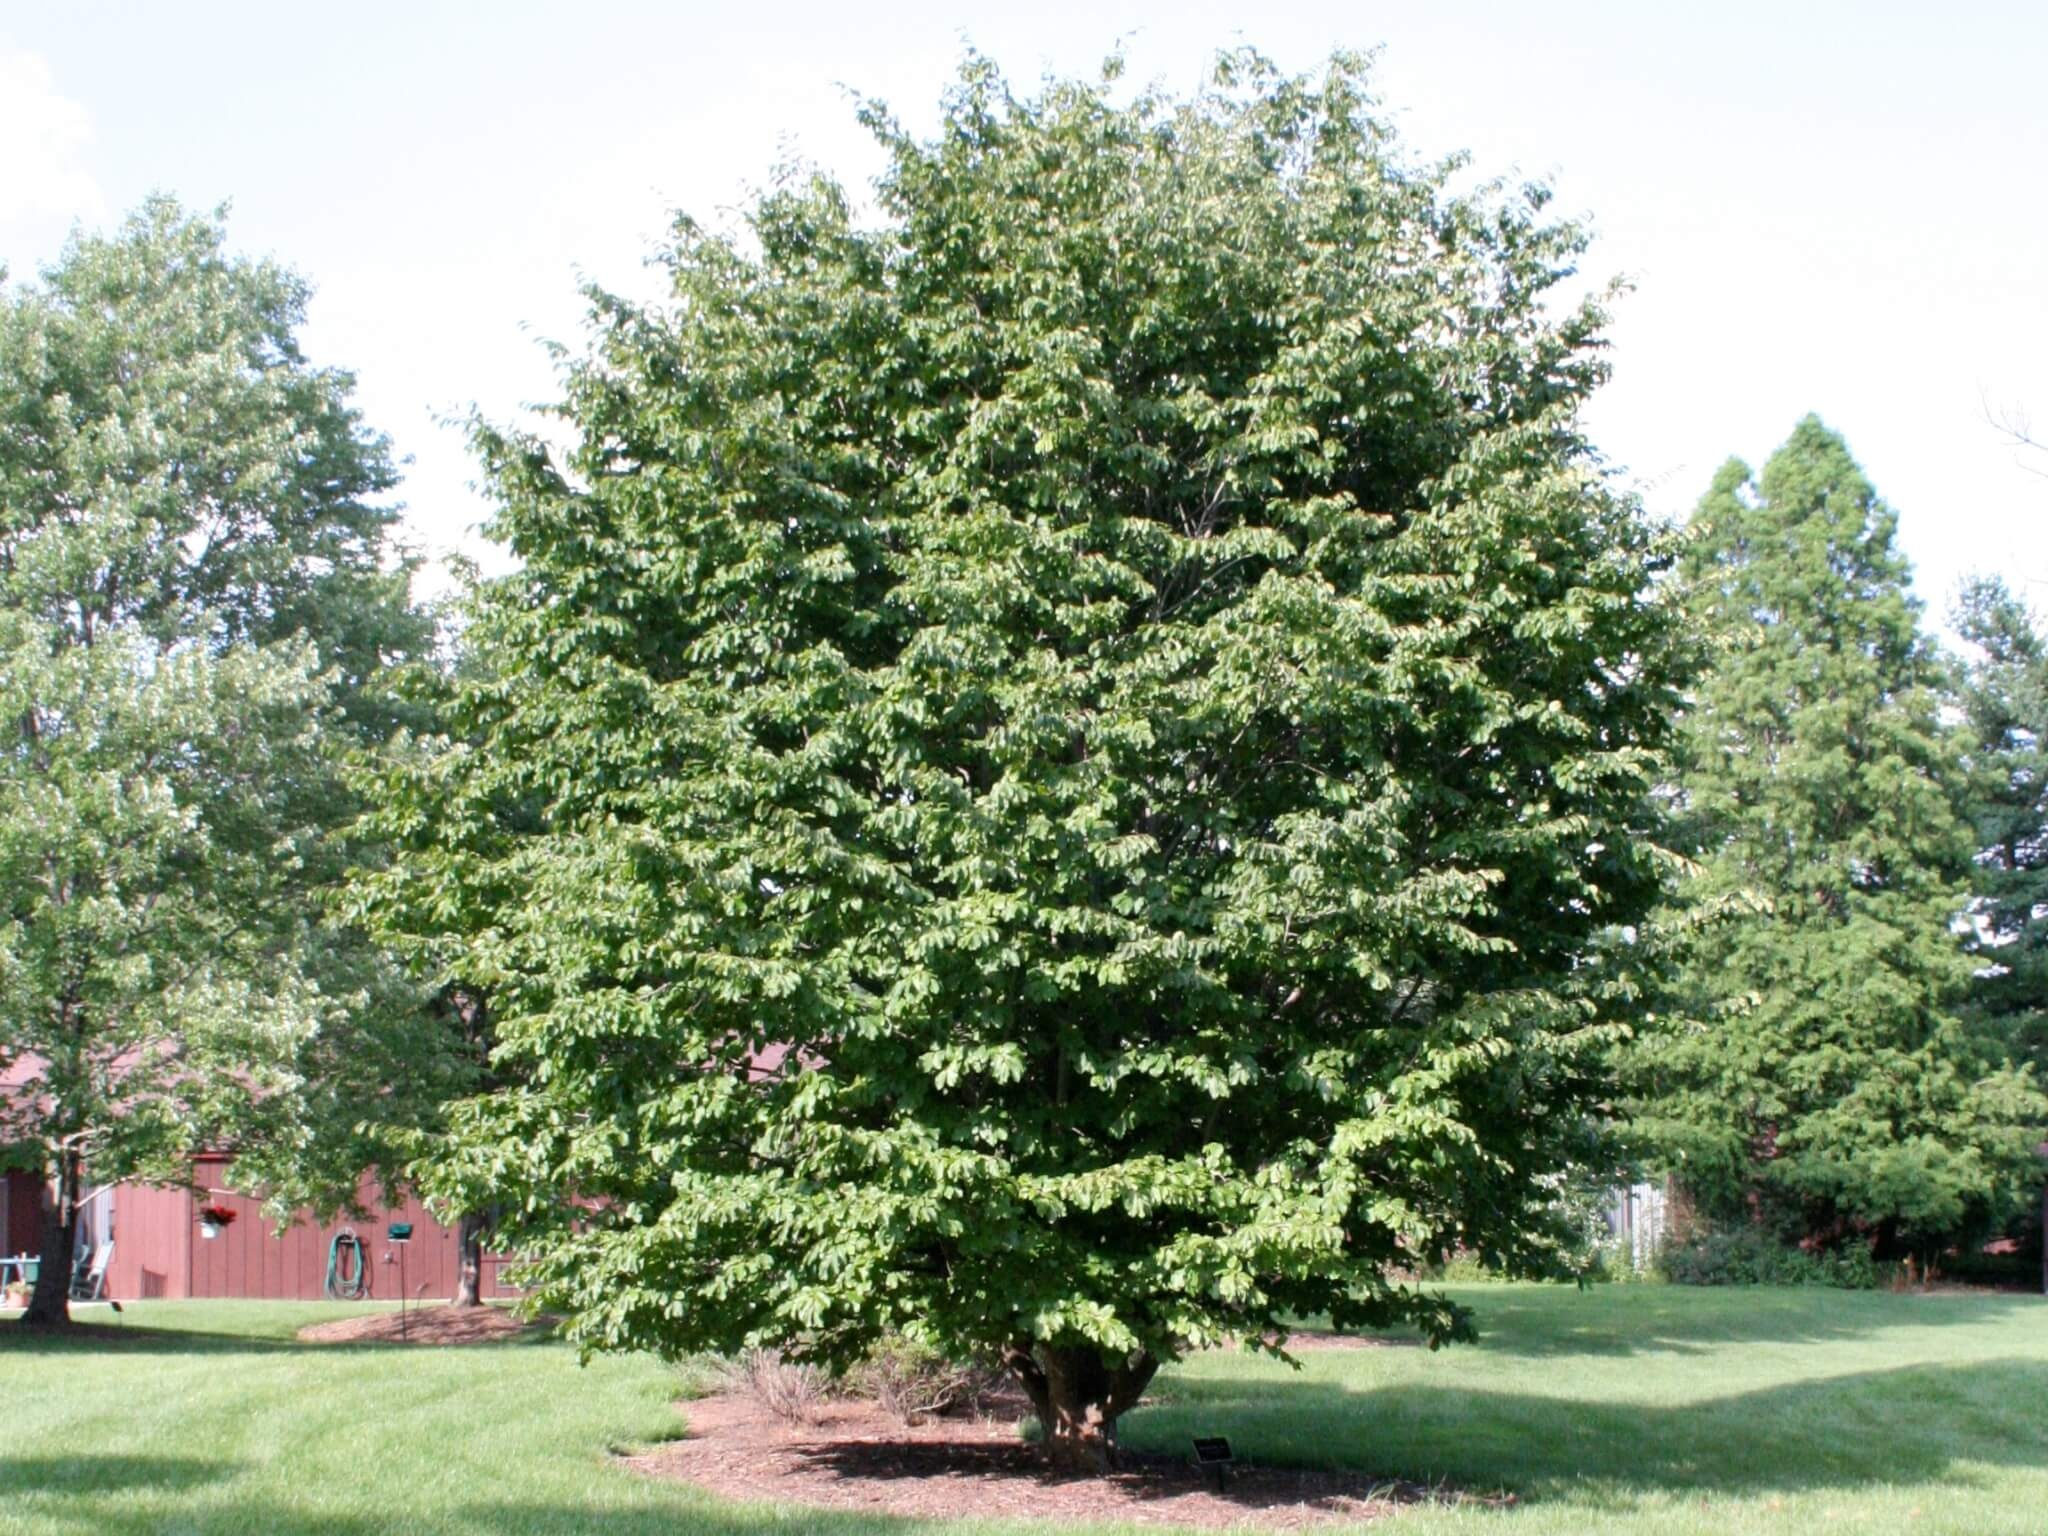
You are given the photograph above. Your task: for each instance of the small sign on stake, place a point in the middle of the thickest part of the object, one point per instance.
(1212, 1455)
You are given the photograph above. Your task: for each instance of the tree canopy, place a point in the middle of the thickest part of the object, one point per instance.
(198, 597)
(2005, 701)
(1827, 1075)
(1057, 754)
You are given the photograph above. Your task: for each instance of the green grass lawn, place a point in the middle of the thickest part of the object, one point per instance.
(1624, 1409)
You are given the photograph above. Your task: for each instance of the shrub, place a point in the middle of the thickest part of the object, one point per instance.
(793, 1393)
(1747, 1256)
(1613, 1260)
(914, 1382)
(2019, 1269)
(1462, 1267)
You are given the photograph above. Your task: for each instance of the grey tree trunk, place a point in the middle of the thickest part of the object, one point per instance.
(1078, 1397)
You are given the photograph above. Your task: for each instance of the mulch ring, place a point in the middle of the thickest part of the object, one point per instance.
(426, 1325)
(857, 1457)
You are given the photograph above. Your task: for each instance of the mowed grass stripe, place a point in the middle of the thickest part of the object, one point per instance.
(1622, 1409)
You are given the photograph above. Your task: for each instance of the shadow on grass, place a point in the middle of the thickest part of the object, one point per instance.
(712, 1517)
(1913, 1424)
(107, 1474)
(243, 1514)
(142, 1339)
(1545, 1321)
(1664, 1319)
(136, 1338)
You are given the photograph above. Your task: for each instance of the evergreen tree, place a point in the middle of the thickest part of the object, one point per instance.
(1056, 757)
(1825, 1076)
(2005, 699)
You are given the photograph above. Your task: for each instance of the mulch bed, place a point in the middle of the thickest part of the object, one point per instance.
(857, 1457)
(425, 1325)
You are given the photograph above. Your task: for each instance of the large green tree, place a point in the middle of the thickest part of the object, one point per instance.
(1057, 756)
(198, 594)
(1826, 1076)
(2005, 700)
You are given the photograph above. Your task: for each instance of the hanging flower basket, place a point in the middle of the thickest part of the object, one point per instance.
(212, 1218)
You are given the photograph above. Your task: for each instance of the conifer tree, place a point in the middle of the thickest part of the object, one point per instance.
(1825, 1077)
(2005, 699)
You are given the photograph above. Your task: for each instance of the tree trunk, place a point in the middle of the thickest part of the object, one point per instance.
(49, 1305)
(469, 1247)
(1078, 1397)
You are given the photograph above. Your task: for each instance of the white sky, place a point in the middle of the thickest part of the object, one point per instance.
(1829, 207)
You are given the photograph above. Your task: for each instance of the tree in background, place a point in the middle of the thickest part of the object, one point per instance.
(2005, 699)
(1055, 759)
(197, 598)
(1828, 1077)
(364, 1098)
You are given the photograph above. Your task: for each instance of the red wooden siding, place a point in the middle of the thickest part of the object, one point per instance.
(159, 1249)
(152, 1237)
(21, 1227)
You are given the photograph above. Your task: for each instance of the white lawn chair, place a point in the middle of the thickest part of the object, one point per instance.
(92, 1285)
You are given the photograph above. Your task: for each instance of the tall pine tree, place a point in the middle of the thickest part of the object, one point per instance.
(2006, 703)
(1825, 1078)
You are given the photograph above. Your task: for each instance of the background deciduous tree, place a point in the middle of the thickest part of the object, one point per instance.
(1055, 757)
(198, 597)
(365, 1098)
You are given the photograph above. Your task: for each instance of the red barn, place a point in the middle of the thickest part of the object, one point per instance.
(161, 1247)
(156, 1244)
(21, 1213)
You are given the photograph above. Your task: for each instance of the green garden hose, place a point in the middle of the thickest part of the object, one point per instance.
(348, 1267)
